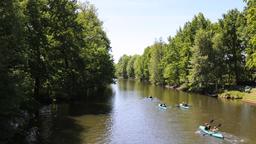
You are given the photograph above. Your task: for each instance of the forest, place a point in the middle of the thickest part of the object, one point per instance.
(50, 50)
(203, 56)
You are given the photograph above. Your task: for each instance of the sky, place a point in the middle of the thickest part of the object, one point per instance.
(132, 25)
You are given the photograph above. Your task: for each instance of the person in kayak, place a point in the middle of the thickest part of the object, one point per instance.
(215, 129)
(207, 126)
(184, 104)
(162, 105)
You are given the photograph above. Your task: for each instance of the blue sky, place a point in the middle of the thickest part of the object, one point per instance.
(132, 25)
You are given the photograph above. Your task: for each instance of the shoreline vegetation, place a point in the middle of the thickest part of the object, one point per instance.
(211, 58)
(240, 93)
(51, 51)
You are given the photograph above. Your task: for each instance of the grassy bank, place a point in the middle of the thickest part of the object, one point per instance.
(233, 94)
(250, 97)
(245, 96)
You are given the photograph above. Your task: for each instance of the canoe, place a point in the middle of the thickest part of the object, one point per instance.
(162, 107)
(214, 134)
(182, 106)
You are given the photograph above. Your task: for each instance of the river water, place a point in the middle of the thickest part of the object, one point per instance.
(122, 115)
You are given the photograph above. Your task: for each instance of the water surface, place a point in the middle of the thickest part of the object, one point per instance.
(123, 115)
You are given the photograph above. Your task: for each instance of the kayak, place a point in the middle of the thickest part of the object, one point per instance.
(150, 97)
(182, 106)
(214, 134)
(162, 107)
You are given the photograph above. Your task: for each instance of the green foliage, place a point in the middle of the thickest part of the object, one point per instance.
(155, 66)
(203, 55)
(130, 67)
(145, 63)
(233, 47)
(138, 67)
(201, 73)
(232, 95)
(122, 66)
(48, 48)
(95, 52)
(220, 69)
(11, 62)
(251, 33)
(36, 44)
(172, 61)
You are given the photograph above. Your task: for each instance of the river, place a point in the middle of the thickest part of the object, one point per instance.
(122, 115)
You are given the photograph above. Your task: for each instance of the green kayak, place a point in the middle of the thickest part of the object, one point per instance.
(214, 134)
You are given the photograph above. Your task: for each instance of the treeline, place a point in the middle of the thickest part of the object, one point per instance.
(49, 49)
(202, 55)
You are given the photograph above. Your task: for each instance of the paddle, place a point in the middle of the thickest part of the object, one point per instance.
(219, 125)
(211, 121)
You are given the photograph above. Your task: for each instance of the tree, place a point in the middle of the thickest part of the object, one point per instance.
(251, 33)
(65, 39)
(138, 68)
(37, 43)
(99, 65)
(200, 74)
(155, 66)
(11, 65)
(145, 63)
(130, 67)
(171, 61)
(234, 48)
(122, 66)
(220, 68)
(187, 35)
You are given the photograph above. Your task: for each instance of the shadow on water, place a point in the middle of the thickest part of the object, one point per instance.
(59, 123)
(99, 103)
(56, 127)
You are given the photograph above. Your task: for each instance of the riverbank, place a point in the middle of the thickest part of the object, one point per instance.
(248, 97)
(244, 95)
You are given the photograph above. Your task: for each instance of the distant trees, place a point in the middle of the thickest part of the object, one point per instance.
(122, 66)
(203, 55)
(48, 49)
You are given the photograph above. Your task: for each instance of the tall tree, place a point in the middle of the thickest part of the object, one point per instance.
(155, 65)
(138, 68)
(65, 39)
(37, 43)
(200, 74)
(11, 65)
(220, 68)
(251, 32)
(234, 48)
(171, 61)
(130, 67)
(122, 66)
(145, 63)
(187, 35)
(95, 53)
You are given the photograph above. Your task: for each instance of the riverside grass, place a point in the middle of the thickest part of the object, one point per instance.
(234, 94)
